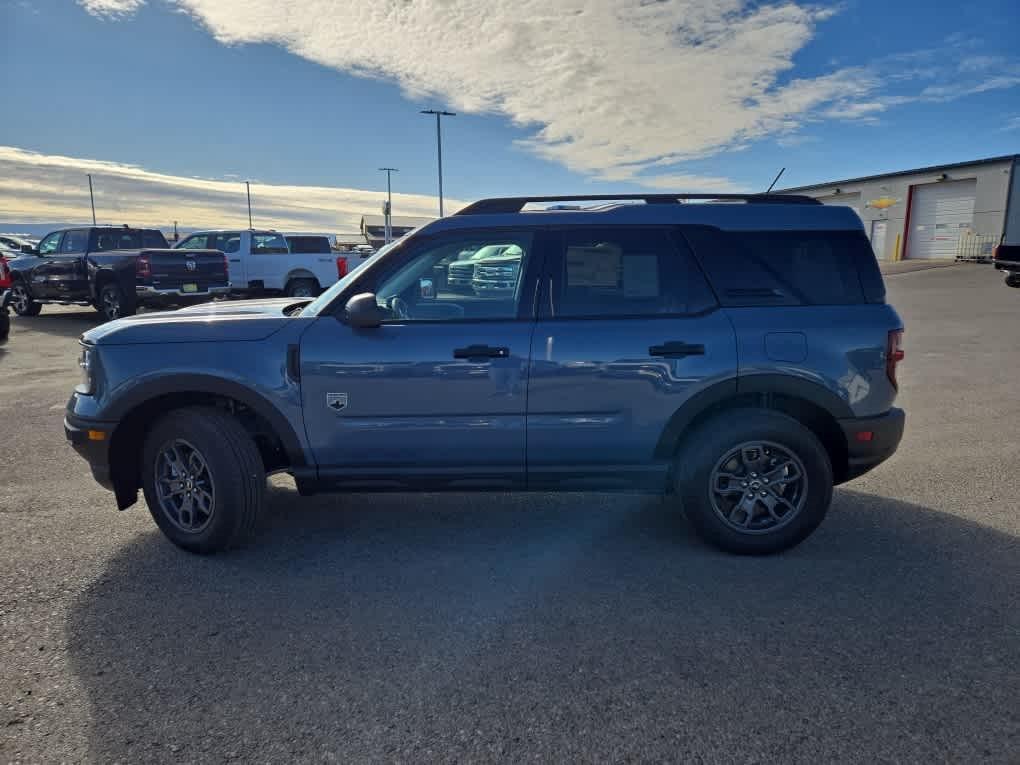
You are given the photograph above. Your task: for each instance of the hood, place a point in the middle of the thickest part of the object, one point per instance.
(228, 321)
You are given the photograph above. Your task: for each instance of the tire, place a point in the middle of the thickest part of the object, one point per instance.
(783, 511)
(302, 288)
(21, 300)
(1013, 280)
(233, 480)
(112, 303)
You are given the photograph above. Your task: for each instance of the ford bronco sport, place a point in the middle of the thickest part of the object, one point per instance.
(739, 357)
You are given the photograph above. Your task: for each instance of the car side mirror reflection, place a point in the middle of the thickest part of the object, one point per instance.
(363, 312)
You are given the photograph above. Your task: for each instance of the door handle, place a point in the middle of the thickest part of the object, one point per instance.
(481, 352)
(677, 349)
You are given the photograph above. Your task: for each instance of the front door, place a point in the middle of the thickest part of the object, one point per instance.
(267, 261)
(628, 330)
(435, 396)
(60, 273)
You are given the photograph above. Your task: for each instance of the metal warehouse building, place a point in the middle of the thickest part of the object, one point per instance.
(946, 211)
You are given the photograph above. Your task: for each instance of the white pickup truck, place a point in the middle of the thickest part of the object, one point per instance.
(263, 261)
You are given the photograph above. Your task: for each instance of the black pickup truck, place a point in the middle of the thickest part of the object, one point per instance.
(1007, 258)
(116, 270)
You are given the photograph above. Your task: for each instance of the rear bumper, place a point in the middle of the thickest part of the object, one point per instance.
(865, 451)
(83, 435)
(1007, 265)
(142, 292)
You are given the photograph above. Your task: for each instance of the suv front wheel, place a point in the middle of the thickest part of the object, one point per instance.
(753, 481)
(203, 479)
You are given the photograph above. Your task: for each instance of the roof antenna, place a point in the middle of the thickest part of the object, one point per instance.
(774, 180)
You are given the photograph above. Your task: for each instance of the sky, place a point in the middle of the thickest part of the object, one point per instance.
(172, 104)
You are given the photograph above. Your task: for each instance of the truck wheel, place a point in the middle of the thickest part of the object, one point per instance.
(753, 481)
(22, 302)
(112, 304)
(203, 479)
(302, 288)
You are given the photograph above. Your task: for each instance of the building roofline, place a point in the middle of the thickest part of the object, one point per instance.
(930, 169)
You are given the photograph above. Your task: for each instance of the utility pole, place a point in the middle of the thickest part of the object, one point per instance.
(439, 149)
(247, 186)
(388, 207)
(92, 199)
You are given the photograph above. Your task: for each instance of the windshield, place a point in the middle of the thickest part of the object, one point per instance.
(313, 308)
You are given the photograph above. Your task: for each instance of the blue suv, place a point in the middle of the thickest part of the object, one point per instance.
(734, 352)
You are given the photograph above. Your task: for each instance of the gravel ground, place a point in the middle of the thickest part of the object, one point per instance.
(411, 628)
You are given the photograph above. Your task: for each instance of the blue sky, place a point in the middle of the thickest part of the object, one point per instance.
(552, 97)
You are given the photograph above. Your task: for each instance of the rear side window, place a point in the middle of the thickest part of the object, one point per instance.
(308, 245)
(104, 239)
(268, 244)
(623, 271)
(749, 268)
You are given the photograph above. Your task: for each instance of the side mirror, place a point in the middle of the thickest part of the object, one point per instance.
(363, 312)
(29, 249)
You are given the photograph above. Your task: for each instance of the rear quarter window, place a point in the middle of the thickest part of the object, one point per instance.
(308, 245)
(749, 268)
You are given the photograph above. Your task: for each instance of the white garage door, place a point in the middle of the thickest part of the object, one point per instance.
(853, 201)
(940, 213)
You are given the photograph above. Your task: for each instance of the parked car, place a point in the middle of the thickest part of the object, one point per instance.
(1007, 260)
(116, 270)
(262, 262)
(6, 256)
(497, 274)
(739, 358)
(461, 271)
(16, 243)
(5, 317)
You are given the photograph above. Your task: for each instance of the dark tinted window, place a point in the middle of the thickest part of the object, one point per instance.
(308, 245)
(74, 242)
(103, 239)
(227, 242)
(623, 271)
(782, 267)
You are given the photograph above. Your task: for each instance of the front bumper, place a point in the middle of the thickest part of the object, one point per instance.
(871, 440)
(91, 439)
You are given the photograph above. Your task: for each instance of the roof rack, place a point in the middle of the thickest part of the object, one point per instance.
(516, 204)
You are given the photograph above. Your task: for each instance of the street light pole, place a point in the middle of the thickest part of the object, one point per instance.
(92, 199)
(388, 235)
(247, 186)
(439, 148)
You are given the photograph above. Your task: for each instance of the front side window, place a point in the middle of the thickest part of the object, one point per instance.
(434, 285)
(623, 271)
(196, 242)
(74, 242)
(49, 245)
(268, 244)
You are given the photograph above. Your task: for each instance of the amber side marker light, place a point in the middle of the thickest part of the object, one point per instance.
(97, 435)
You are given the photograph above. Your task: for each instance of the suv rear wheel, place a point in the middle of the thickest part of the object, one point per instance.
(22, 302)
(753, 481)
(203, 479)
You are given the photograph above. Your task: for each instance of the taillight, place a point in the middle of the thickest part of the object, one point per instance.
(341, 267)
(143, 267)
(5, 272)
(893, 355)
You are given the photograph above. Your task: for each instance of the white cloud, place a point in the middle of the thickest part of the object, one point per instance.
(111, 8)
(614, 89)
(47, 188)
(1012, 123)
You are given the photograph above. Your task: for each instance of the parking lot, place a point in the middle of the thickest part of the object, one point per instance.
(550, 628)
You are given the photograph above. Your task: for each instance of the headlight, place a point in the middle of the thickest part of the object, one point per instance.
(86, 363)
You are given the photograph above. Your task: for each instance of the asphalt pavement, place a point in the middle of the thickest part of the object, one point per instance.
(549, 628)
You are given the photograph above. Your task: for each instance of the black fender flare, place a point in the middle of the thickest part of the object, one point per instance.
(217, 386)
(785, 385)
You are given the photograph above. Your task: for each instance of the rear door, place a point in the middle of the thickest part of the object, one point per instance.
(267, 260)
(436, 395)
(628, 330)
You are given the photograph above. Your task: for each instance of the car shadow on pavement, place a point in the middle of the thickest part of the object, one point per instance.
(62, 324)
(556, 628)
